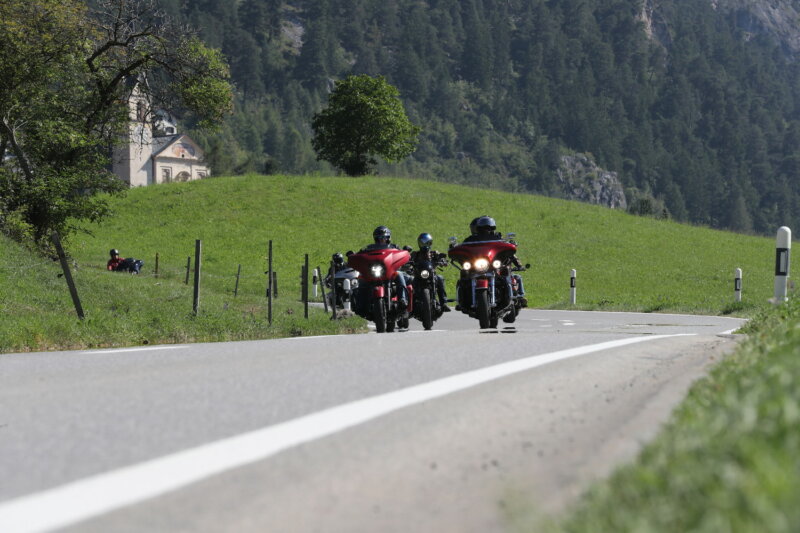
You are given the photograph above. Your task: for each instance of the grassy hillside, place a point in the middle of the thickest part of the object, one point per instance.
(623, 262)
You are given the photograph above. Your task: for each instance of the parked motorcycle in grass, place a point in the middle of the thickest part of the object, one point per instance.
(487, 289)
(377, 299)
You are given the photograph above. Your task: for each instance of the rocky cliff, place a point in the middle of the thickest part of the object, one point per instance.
(581, 179)
(777, 18)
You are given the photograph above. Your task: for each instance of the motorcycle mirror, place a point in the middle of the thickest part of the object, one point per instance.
(527, 265)
(453, 241)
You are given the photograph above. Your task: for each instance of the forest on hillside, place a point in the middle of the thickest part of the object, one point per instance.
(689, 109)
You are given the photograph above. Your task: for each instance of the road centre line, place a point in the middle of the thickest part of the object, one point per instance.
(96, 495)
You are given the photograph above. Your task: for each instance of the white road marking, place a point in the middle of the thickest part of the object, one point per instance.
(96, 495)
(137, 349)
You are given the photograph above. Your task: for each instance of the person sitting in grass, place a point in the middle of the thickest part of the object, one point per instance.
(115, 261)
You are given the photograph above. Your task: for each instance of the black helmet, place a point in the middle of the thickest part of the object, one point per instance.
(113, 252)
(382, 235)
(425, 240)
(485, 225)
(472, 229)
(337, 258)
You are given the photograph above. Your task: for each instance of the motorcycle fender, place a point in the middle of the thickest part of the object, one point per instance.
(482, 283)
(378, 291)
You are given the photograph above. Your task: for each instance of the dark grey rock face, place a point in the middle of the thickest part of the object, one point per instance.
(581, 179)
(779, 18)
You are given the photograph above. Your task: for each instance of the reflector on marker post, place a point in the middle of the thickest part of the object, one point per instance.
(783, 247)
(737, 285)
(572, 296)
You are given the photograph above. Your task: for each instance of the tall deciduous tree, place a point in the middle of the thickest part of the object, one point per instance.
(64, 91)
(364, 118)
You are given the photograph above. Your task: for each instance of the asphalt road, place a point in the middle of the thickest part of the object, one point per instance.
(448, 430)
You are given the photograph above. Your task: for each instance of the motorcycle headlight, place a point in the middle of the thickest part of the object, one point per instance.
(467, 265)
(482, 265)
(353, 283)
(496, 263)
(377, 270)
(425, 274)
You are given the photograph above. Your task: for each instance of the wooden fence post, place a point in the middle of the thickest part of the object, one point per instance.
(269, 285)
(305, 288)
(196, 300)
(62, 257)
(188, 267)
(322, 289)
(238, 273)
(333, 290)
(155, 274)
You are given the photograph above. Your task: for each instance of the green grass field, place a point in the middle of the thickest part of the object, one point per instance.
(623, 262)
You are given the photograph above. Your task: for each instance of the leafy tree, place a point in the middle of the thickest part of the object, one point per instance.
(364, 118)
(67, 75)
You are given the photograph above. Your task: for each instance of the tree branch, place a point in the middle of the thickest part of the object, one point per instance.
(9, 137)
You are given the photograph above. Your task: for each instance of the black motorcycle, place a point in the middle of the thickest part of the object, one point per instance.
(427, 308)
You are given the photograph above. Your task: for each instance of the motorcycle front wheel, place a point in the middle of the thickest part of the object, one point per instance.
(483, 309)
(425, 311)
(379, 313)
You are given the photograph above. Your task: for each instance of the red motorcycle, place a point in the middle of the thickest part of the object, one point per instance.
(487, 290)
(377, 298)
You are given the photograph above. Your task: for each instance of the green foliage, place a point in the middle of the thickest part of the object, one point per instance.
(728, 460)
(67, 77)
(364, 118)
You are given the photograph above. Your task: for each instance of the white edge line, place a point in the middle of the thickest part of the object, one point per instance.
(138, 349)
(93, 496)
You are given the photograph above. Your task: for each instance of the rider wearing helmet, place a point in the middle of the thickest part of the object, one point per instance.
(483, 229)
(383, 239)
(115, 260)
(337, 263)
(425, 241)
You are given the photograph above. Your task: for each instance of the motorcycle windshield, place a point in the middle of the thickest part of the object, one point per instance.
(391, 259)
(470, 251)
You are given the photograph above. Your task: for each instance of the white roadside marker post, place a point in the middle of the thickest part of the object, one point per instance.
(783, 247)
(316, 282)
(737, 285)
(346, 291)
(572, 296)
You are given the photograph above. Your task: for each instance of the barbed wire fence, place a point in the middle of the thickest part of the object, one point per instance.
(165, 269)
